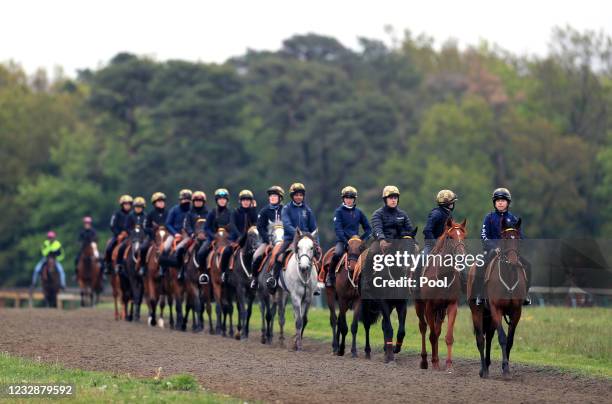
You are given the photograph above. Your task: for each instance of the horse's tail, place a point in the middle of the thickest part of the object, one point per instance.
(370, 312)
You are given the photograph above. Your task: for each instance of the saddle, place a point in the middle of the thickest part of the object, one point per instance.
(273, 253)
(233, 257)
(325, 263)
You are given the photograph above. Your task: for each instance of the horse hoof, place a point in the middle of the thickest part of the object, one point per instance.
(368, 355)
(150, 321)
(160, 323)
(483, 374)
(341, 352)
(263, 339)
(397, 349)
(424, 365)
(354, 355)
(237, 336)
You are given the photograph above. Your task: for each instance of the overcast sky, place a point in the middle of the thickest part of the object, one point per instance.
(87, 33)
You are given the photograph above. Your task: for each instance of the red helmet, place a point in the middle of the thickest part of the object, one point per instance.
(87, 219)
(51, 234)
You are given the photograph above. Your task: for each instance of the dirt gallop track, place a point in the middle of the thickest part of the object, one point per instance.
(91, 339)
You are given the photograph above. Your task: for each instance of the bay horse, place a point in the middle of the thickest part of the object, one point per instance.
(89, 275)
(222, 295)
(434, 303)
(346, 293)
(505, 288)
(270, 303)
(132, 265)
(50, 280)
(240, 279)
(153, 288)
(299, 278)
(371, 309)
(194, 298)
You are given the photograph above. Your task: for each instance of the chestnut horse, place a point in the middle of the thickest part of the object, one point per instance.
(346, 293)
(505, 287)
(152, 283)
(88, 275)
(221, 294)
(436, 302)
(50, 280)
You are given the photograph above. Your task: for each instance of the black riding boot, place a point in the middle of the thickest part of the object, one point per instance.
(330, 279)
(272, 282)
(254, 271)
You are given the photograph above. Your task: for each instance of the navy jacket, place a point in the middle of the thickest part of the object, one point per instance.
(297, 217)
(242, 219)
(390, 223)
(136, 220)
(267, 215)
(491, 228)
(88, 236)
(347, 221)
(219, 217)
(176, 218)
(120, 222)
(436, 220)
(156, 217)
(192, 217)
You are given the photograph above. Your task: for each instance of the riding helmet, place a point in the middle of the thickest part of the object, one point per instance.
(390, 190)
(446, 197)
(139, 201)
(125, 199)
(87, 219)
(502, 193)
(221, 193)
(51, 234)
(276, 190)
(296, 187)
(185, 194)
(349, 192)
(158, 196)
(198, 196)
(245, 194)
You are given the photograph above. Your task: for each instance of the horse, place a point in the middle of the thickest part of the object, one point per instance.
(193, 289)
(50, 281)
(435, 303)
(89, 275)
(299, 278)
(346, 293)
(269, 303)
(371, 309)
(119, 283)
(240, 278)
(132, 266)
(221, 294)
(152, 283)
(173, 291)
(505, 286)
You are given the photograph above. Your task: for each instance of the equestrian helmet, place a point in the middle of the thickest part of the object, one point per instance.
(349, 192)
(501, 193)
(276, 190)
(158, 196)
(245, 194)
(125, 199)
(185, 194)
(221, 193)
(139, 201)
(446, 197)
(198, 196)
(390, 190)
(296, 187)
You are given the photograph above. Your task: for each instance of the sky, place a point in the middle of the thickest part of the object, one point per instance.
(87, 33)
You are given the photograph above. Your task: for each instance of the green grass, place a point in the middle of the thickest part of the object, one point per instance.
(100, 387)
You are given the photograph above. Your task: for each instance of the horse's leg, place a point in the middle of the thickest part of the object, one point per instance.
(297, 313)
(480, 340)
(198, 311)
(367, 348)
(249, 312)
(263, 311)
(387, 328)
(241, 306)
(116, 298)
(355, 326)
(333, 320)
(514, 320)
(281, 306)
(170, 311)
(452, 315)
(342, 326)
(402, 309)
(496, 318)
(430, 315)
(489, 334)
(419, 306)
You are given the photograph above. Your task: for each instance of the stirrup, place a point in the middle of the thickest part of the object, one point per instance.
(253, 284)
(223, 277)
(479, 301)
(527, 301)
(317, 292)
(271, 283)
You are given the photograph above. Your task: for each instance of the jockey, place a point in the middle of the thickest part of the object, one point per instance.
(86, 236)
(51, 246)
(135, 218)
(269, 214)
(156, 217)
(436, 222)
(174, 223)
(490, 235)
(119, 223)
(347, 219)
(197, 212)
(389, 222)
(295, 215)
(217, 218)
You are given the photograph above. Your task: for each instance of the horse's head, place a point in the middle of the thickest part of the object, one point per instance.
(137, 236)
(161, 234)
(510, 239)
(222, 237)
(250, 240)
(278, 232)
(304, 249)
(455, 234)
(355, 246)
(199, 229)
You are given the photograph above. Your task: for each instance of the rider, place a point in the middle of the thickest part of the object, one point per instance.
(197, 212)
(269, 214)
(119, 223)
(436, 221)
(347, 219)
(51, 246)
(174, 223)
(156, 217)
(218, 217)
(491, 234)
(135, 218)
(295, 215)
(86, 236)
(389, 222)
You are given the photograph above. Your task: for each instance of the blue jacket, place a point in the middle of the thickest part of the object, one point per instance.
(297, 217)
(269, 214)
(176, 218)
(242, 219)
(436, 220)
(491, 228)
(120, 221)
(347, 221)
(220, 217)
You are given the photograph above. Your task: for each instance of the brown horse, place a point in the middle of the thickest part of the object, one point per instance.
(152, 283)
(116, 281)
(50, 281)
(194, 298)
(221, 294)
(346, 293)
(505, 287)
(88, 275)
(174, 291)
(438, 301)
